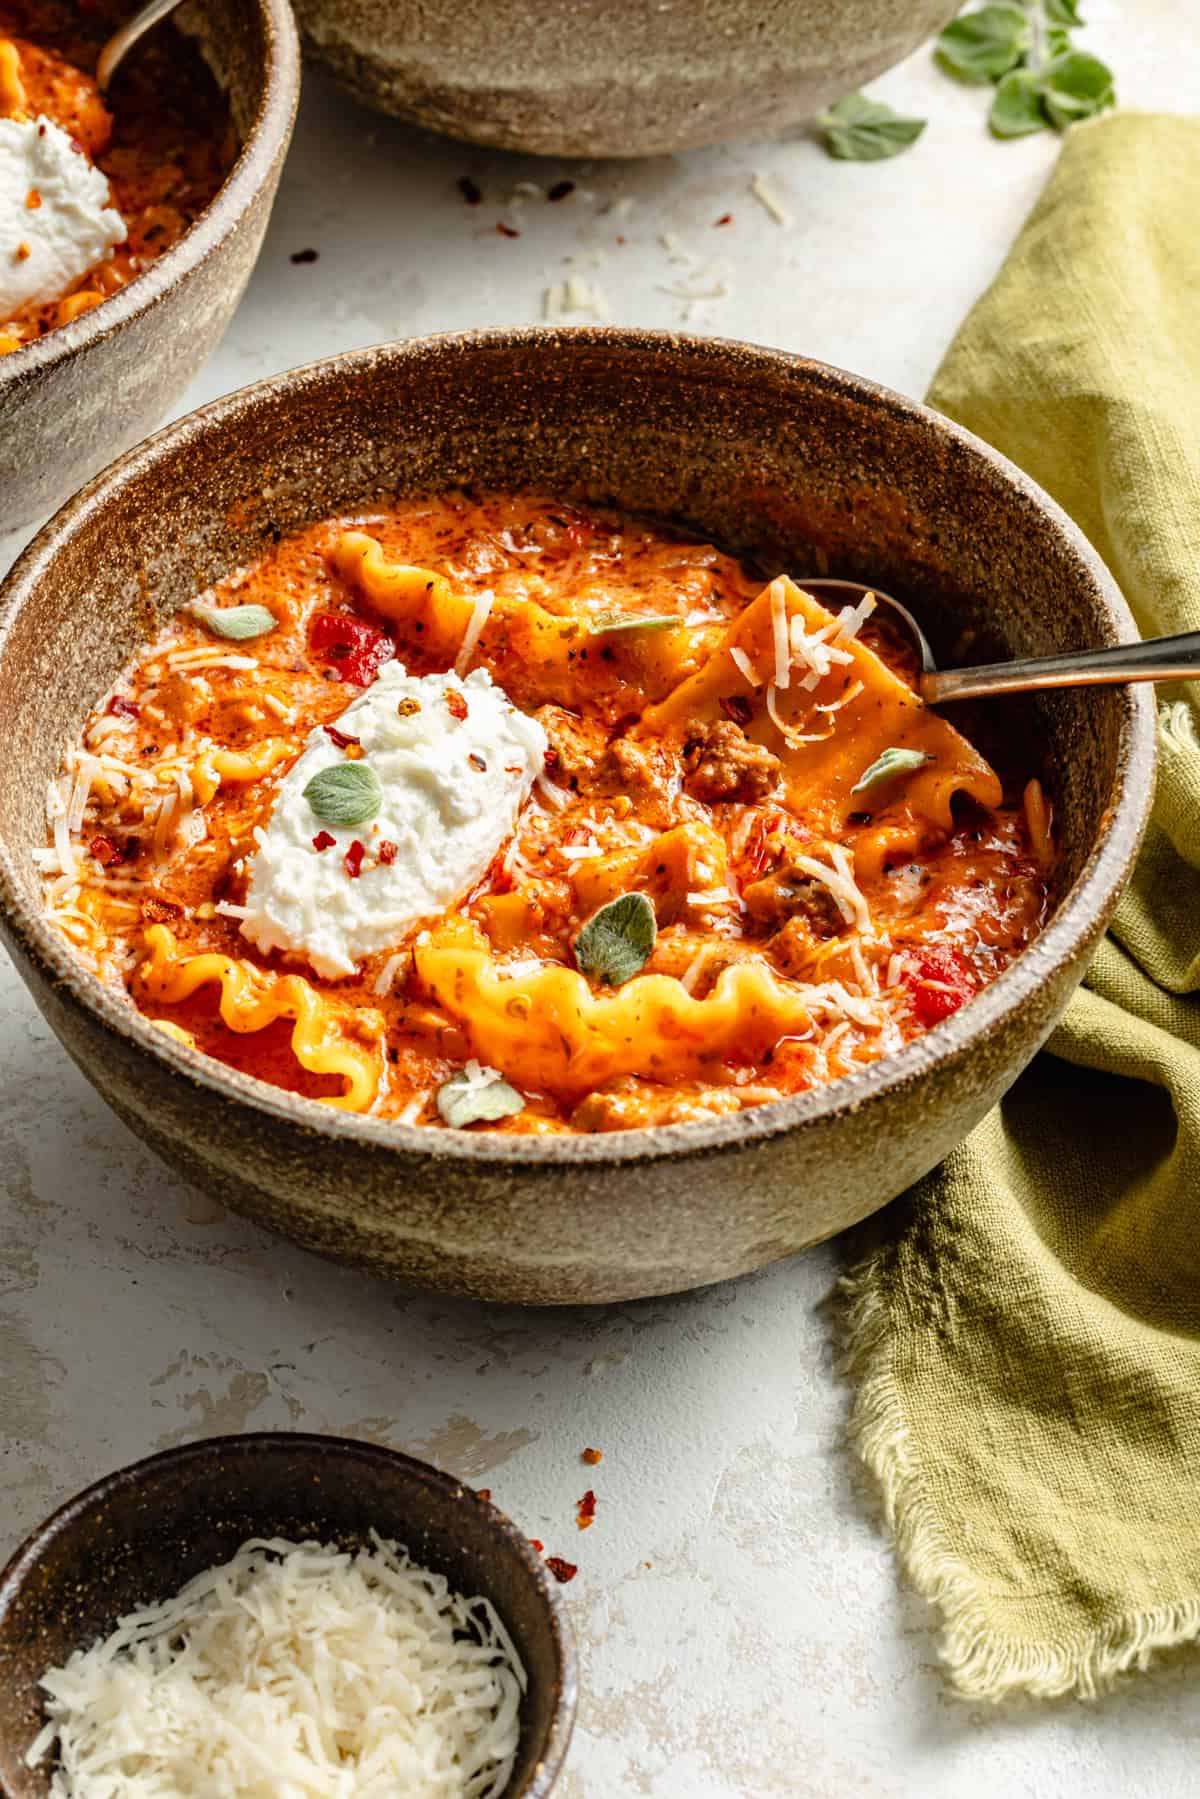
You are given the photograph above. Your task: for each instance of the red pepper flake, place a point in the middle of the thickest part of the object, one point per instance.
(585, 1511)
(562, 1571)
(470, 190)
(341, 738)
(477, 763)
(299, 256)
(23, 251)
(726, 218)
(483, 1492)
(158, 911)
(32, 200)
(455, 704)
(593, 1456)
(737, 707)
(388, 851)
(105, 851)
(408, 707)
(560, 190)
(538, 1544)
(550, 759)
(323, 841)
(352, 861)
(506, 230)
(120, 707)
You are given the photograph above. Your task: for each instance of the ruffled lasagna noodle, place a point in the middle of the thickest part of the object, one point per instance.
(831, 868)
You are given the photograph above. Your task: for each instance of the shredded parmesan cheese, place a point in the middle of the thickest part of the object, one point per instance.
(295, 1670)
(769, 200)
(479, 617)
(844, 889)
(385, 980)
(779, 635)
(744, 665)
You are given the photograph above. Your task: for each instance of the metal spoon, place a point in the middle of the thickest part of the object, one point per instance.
(1157, 659)
(121, 42)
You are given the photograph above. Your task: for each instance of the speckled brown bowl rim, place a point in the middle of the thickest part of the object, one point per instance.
(270, 127)
(250, 1447)
(1075, 922)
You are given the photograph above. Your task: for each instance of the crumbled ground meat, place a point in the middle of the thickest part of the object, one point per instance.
(580, 744)
(629, 1102)
(723, 764)
(788, 894)
(648, 768)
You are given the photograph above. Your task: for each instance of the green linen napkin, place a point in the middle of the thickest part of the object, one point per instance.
(1026, 1343)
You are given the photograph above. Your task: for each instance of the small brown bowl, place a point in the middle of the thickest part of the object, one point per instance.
(73, 399)
(800, 466)
(140, 1534)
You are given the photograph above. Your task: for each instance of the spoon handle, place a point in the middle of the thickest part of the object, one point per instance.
(1157, 659)
(123, 40)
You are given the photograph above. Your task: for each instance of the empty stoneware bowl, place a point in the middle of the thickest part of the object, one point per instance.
(795, 464)
(138, 1536)
(628, 78)
(69, 401)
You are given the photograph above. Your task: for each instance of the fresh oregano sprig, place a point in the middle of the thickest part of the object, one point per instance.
(1021, 47)
(861, 130)
(1026, 50)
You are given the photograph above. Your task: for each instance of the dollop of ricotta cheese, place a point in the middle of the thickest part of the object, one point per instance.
(455, 760)
(55, 218)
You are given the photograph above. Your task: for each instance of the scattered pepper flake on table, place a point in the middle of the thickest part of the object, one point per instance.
(560, 190)
(562, 1571)
(299, 256)
(593, 1456)
(585, 1511)
(470, 190)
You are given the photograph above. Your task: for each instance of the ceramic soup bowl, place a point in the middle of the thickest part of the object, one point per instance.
(627, 78)
(71, 400)
(769, 454)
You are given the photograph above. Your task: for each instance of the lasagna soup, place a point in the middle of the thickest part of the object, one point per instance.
(492, 811)
(93, 188)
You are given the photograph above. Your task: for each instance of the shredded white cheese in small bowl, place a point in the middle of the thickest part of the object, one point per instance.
(293, 1671)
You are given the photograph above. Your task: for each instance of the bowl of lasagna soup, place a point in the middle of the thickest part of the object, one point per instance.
(446, 827)
(130, 219)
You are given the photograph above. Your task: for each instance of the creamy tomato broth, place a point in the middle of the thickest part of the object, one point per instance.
(493, 812)
(94, 188)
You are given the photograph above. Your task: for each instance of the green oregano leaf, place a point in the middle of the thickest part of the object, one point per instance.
(862, 130)
(1017, 108)
(235, 622)
(347, 793)
(1076, 86)
(1063, 12)
(892, 762)
(984, 45)
(616, 941)
(476, 1093)
(605, 623)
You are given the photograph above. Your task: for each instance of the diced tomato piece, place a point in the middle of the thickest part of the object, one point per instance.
(939, 980)
(120, 707)
(323, 841)
(358, 649)
(388, 851)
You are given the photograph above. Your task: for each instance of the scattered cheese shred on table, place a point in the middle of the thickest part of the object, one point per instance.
(295, 1671)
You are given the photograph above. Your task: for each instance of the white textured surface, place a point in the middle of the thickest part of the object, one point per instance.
(741, 1625)
(447, 817)
(71, 228)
